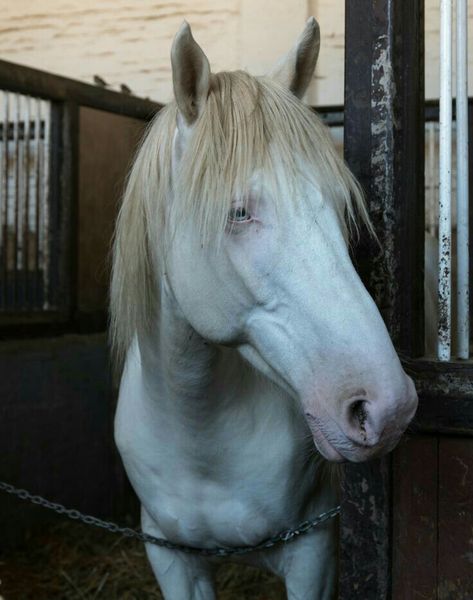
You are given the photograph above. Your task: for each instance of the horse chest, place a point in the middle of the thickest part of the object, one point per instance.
(234, 481)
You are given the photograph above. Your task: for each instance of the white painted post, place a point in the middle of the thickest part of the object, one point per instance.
(445, 195)
(463, 321)
(431, 177)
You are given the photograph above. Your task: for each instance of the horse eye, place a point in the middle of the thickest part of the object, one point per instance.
(239, 214)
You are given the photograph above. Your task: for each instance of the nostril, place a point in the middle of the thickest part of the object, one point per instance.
(358, 416)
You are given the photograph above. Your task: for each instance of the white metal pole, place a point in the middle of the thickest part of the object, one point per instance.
(445, 195)
(431, 180)
(463, 321)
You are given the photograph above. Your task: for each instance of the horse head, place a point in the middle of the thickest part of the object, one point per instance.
(254, 225)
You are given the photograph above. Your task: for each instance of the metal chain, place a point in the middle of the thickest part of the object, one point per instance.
(220, 551)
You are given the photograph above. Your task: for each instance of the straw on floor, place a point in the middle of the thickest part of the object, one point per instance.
(72, 562)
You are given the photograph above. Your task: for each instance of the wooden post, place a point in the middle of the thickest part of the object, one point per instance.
(384, 146)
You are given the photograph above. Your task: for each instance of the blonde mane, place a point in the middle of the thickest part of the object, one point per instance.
(246, 124)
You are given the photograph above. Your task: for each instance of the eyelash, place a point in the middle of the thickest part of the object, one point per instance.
(239, 215)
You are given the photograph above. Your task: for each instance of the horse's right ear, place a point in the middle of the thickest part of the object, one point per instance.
(190, 74)
(296, 68)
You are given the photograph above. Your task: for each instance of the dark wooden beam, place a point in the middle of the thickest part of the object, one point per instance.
(447, 414)
(445, 396)
(33, 82)
(335, 114)
(384, 141)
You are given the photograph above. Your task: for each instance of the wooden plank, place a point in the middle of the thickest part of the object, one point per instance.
(415, 519)
(455, 543)
(101, 180)
(33, 82)
(384, 142)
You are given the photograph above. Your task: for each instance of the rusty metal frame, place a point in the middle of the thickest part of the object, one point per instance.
(384, 146)
(34, 82)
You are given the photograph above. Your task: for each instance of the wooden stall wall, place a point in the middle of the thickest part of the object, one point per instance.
(107, 143)
(433, 518)
(57, 396)
(55, 429)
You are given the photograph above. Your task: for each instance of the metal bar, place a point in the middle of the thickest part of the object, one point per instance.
(20, 244)
(2, 171)
(334, 115)
(16, 201)
(28, 81)
(26, 229)
(463, 313)
(445, 186)
(46, 118)
(431, 179)
(58, 214)
(37, 171)
(470, 193)
(4, 200)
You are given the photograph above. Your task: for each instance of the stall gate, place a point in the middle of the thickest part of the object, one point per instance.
(407, 519)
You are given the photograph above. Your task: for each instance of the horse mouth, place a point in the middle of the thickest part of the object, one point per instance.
(324, 447)
(350, 452)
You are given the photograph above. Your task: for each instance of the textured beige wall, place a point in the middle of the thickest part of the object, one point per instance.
(128, 41)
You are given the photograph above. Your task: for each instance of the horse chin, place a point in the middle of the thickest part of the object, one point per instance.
(348, 452)
(325, 448)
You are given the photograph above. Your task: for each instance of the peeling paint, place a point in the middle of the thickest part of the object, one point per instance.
(465, 468)
(384, 280)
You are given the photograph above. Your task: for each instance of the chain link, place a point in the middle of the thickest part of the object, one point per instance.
(281, 537)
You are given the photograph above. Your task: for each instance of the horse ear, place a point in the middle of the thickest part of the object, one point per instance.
(296, 68)
(190, 74)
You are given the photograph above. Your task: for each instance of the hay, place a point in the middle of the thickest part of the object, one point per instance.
(73, 562)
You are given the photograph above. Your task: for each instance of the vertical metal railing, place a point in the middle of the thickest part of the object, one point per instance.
(37, 202)
(27, 204)
(463, 316)
(4, 195)
(445, 191)
(445, 348)
(45, 189)
(459, 334)
(16, 202)
(25, 149)
(431, 179)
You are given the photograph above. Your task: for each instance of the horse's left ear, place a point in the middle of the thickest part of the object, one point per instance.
(190, 74)
(296, 68)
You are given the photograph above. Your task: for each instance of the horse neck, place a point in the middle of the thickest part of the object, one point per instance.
(187, 377)
(199, 396)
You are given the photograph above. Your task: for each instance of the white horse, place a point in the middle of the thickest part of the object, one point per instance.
(247, 333)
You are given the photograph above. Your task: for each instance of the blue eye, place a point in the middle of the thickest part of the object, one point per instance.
(239, 215)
